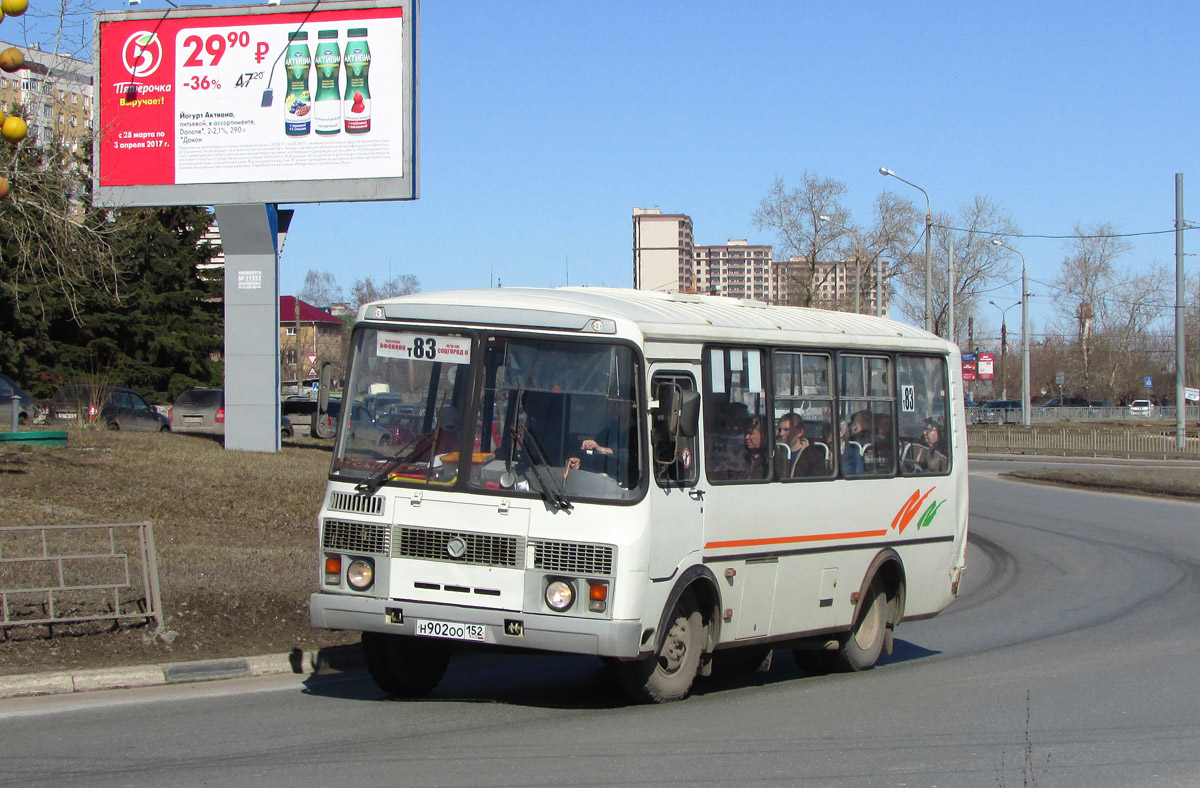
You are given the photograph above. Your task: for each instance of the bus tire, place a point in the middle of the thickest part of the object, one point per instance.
(668, 675)
(404, 667)
(863, 644)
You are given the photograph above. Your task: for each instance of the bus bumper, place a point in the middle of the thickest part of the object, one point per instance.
(600, 637)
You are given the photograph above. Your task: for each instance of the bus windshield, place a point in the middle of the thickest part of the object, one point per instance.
(402, 407)
(557, 414)
(554, 418)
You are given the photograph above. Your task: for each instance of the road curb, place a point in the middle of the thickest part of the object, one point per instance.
(326, 660)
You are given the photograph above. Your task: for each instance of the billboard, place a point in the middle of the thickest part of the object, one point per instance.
(987, 365)
(306, 102)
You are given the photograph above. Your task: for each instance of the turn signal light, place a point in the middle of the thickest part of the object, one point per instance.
(333, 570)
(597, 596)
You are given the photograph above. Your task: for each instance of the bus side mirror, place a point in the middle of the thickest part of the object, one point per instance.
(322, 425)
(680, 411)
(687, 420)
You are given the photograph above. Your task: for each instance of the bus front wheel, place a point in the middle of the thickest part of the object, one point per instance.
(404, 667)
(669, 674)
(862, 646)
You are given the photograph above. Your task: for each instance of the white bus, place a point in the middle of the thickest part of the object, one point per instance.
(646, 477)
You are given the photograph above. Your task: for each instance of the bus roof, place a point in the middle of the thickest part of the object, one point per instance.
(656, 315)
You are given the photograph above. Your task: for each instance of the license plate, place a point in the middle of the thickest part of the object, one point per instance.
(450, 630)
(193, 419)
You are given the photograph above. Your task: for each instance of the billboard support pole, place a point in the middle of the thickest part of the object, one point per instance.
(249, 238)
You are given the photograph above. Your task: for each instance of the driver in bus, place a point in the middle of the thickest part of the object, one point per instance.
(599, 452)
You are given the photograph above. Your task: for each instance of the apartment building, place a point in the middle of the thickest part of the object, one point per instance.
(662, 251)
(835, 285)
(665, 258)
(55, 92)
(738, 269)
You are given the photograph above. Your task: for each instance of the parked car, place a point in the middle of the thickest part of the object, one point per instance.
(203, 411)
(9, 387)
(1000, 411)
(298, 405)
(1141, 407)
(1065, 402)
(116, 407)
(199, 410)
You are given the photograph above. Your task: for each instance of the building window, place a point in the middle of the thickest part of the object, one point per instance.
(291, 331)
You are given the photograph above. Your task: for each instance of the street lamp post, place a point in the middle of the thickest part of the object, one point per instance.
(1003, 345)
(928, 260)
(1025, 412)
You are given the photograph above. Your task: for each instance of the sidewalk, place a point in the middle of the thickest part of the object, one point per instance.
(326, 660)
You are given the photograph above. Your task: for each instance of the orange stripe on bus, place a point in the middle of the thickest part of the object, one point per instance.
(793, 539)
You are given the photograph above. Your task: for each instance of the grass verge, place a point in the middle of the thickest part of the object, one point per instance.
(235, 531)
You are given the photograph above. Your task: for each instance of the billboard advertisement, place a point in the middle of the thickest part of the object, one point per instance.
(306, 102)
(987, 366)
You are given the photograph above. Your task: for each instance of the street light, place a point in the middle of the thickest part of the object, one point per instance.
(1003, 344)
(928, 264)
(1025, 412)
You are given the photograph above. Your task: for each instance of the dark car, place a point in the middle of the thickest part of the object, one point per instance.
(116, 407)
(1000, 411)
(1065, 402)
(9, 387)
(203, 411)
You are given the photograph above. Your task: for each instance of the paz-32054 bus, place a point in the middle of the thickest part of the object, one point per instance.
(646, 477)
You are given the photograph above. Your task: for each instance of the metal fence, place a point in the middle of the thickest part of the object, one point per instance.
(1164, 415)
(61, 574)
(1082, 442)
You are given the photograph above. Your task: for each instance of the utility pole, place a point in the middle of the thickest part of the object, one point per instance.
(1180, 356)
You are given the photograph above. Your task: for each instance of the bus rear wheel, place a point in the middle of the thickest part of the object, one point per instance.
(669, 674)
(862, 646)
(404, 667)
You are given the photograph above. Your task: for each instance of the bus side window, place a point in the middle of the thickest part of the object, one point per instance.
(925, 424)
(738, 437)
(675, 459)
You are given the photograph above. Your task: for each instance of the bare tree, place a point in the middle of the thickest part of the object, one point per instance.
(1087, 277)
(806, 243)
(320, 288)
(365, 290)
(978, 263)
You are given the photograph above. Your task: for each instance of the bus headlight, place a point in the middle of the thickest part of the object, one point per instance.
(559, 595)
(360, 574)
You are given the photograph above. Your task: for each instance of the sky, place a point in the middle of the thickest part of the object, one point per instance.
(543, 124)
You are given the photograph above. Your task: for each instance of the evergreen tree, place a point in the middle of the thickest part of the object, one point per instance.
(92, 295)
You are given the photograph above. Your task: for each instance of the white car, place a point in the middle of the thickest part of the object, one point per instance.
(1141, 407)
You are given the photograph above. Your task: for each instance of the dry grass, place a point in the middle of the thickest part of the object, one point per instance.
(235, 532)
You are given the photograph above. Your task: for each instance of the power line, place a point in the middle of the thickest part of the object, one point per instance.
(1055, 237)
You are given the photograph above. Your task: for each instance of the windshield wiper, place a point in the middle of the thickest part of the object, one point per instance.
(547, 485)
(372, 483)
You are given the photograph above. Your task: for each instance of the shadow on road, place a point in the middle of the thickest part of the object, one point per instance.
(561, 681)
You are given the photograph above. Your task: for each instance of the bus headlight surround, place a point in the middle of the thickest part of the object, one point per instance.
(361, 574)
(560, 595)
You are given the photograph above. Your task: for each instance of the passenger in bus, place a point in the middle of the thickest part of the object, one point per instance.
(754, 457)
(881, 455)
(804, 457)
(933, 457)
(854, 435)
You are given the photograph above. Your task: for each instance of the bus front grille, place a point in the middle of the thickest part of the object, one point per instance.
(573, 558)
(353, 503)
(459, 546)
(355, 537)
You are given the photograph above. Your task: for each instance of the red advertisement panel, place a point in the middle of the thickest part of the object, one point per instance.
(244, 98)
